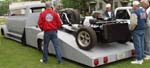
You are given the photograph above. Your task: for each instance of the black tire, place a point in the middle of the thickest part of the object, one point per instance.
(73, 16)
(88, 41)
(122, 42)
(131, 40)
(40, 44)
(76, 15)
(2, 31)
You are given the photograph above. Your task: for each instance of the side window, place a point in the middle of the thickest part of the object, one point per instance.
(37, 9)
(122, 14)
(18, 12)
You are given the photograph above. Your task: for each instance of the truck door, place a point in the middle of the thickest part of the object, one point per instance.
(16, 21)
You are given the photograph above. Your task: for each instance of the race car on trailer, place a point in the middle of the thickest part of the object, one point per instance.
(21, 25)
(99, 29)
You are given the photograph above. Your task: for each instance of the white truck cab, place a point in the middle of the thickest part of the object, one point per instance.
(123, 14)
(22, 15)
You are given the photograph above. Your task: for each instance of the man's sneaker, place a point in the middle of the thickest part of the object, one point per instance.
(147, 57)
(41, 60)
(137, 62)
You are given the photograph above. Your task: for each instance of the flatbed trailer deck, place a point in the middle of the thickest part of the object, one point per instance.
(99, 55)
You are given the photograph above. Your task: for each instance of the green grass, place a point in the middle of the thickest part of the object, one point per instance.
(16, 55)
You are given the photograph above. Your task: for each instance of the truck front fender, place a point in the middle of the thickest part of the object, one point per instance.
(40, 35)
(39, 39)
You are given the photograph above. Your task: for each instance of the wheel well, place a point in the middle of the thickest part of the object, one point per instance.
(2, 31)
(39, 44)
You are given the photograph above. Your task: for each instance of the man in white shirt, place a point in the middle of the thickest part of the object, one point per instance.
(109, 13)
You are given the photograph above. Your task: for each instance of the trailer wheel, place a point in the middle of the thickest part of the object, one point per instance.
(2, 31)
(86, 38)
(40, 44)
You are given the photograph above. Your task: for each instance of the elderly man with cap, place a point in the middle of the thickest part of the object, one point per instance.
(138, 26)
(49, 22)
(109, 13)
(145, 4)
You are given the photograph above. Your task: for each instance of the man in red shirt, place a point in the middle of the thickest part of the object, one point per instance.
(49, 22)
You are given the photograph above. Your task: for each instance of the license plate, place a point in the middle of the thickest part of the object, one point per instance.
(121, 56)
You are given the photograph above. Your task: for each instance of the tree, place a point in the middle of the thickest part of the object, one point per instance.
(81, 5)
(4, 7)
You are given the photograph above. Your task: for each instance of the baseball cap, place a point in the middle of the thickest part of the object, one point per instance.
(135, 3)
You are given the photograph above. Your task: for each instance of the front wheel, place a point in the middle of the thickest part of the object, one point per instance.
(2, 31)
(86, 38)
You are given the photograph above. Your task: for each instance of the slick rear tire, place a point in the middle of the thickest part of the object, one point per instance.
(73, 16)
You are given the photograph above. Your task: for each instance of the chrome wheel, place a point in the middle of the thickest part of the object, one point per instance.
(84, 39)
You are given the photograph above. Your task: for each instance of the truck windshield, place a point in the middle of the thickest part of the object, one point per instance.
(122, 14)
(37, 9)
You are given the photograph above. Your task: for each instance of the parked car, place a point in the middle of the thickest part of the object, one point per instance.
(104, 31)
